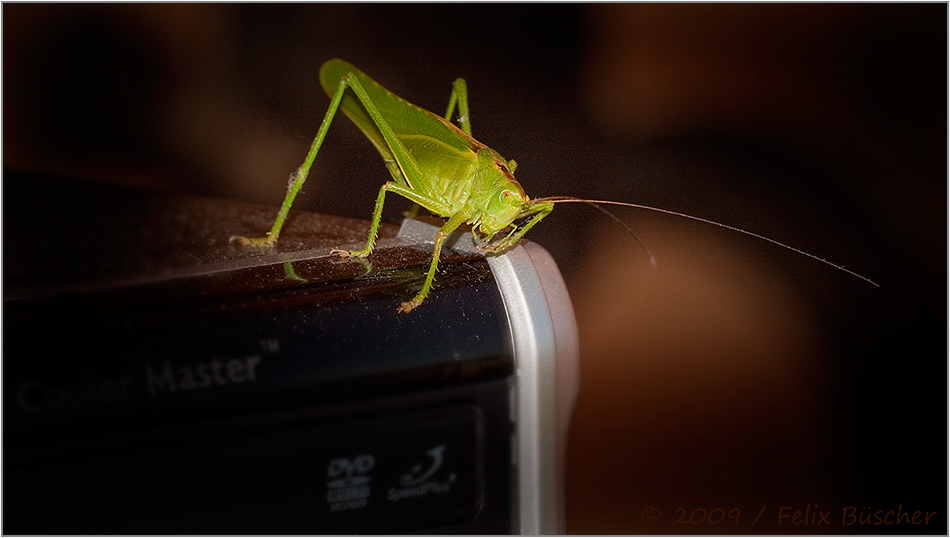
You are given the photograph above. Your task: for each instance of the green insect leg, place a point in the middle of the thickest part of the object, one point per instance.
(541, 210)
(292, 274)
(377, 217)
(373, 229)
(460, 95)
(440, 237)
(299, 177)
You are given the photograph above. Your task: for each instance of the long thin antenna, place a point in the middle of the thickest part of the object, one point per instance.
(643, 245)
(569, 199)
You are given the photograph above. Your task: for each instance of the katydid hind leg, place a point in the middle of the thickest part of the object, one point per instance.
(298, 178)
(459, 96)
(409, 166)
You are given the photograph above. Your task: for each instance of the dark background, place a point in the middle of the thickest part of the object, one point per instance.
(735, 375)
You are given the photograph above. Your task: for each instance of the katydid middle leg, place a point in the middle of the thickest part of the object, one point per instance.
(377, 217)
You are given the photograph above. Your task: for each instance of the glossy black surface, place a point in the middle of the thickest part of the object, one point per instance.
(160, 350)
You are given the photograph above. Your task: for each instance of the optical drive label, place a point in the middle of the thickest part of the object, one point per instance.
(348, 487)
(411, 470)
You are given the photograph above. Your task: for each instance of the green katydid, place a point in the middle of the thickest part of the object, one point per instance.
(440, 167)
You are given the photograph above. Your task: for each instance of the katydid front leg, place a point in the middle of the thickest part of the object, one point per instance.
(440, 237)
(542, 209)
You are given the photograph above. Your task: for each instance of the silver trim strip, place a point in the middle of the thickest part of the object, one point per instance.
(544, 336)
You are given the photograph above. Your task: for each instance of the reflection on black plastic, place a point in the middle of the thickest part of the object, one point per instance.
(160, 380)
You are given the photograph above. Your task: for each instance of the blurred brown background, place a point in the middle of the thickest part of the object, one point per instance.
(735, 375)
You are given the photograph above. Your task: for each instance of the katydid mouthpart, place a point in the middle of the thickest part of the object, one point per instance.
(442, 168)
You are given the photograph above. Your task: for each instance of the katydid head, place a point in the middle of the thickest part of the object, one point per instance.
(503, 206)
(503, 200)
